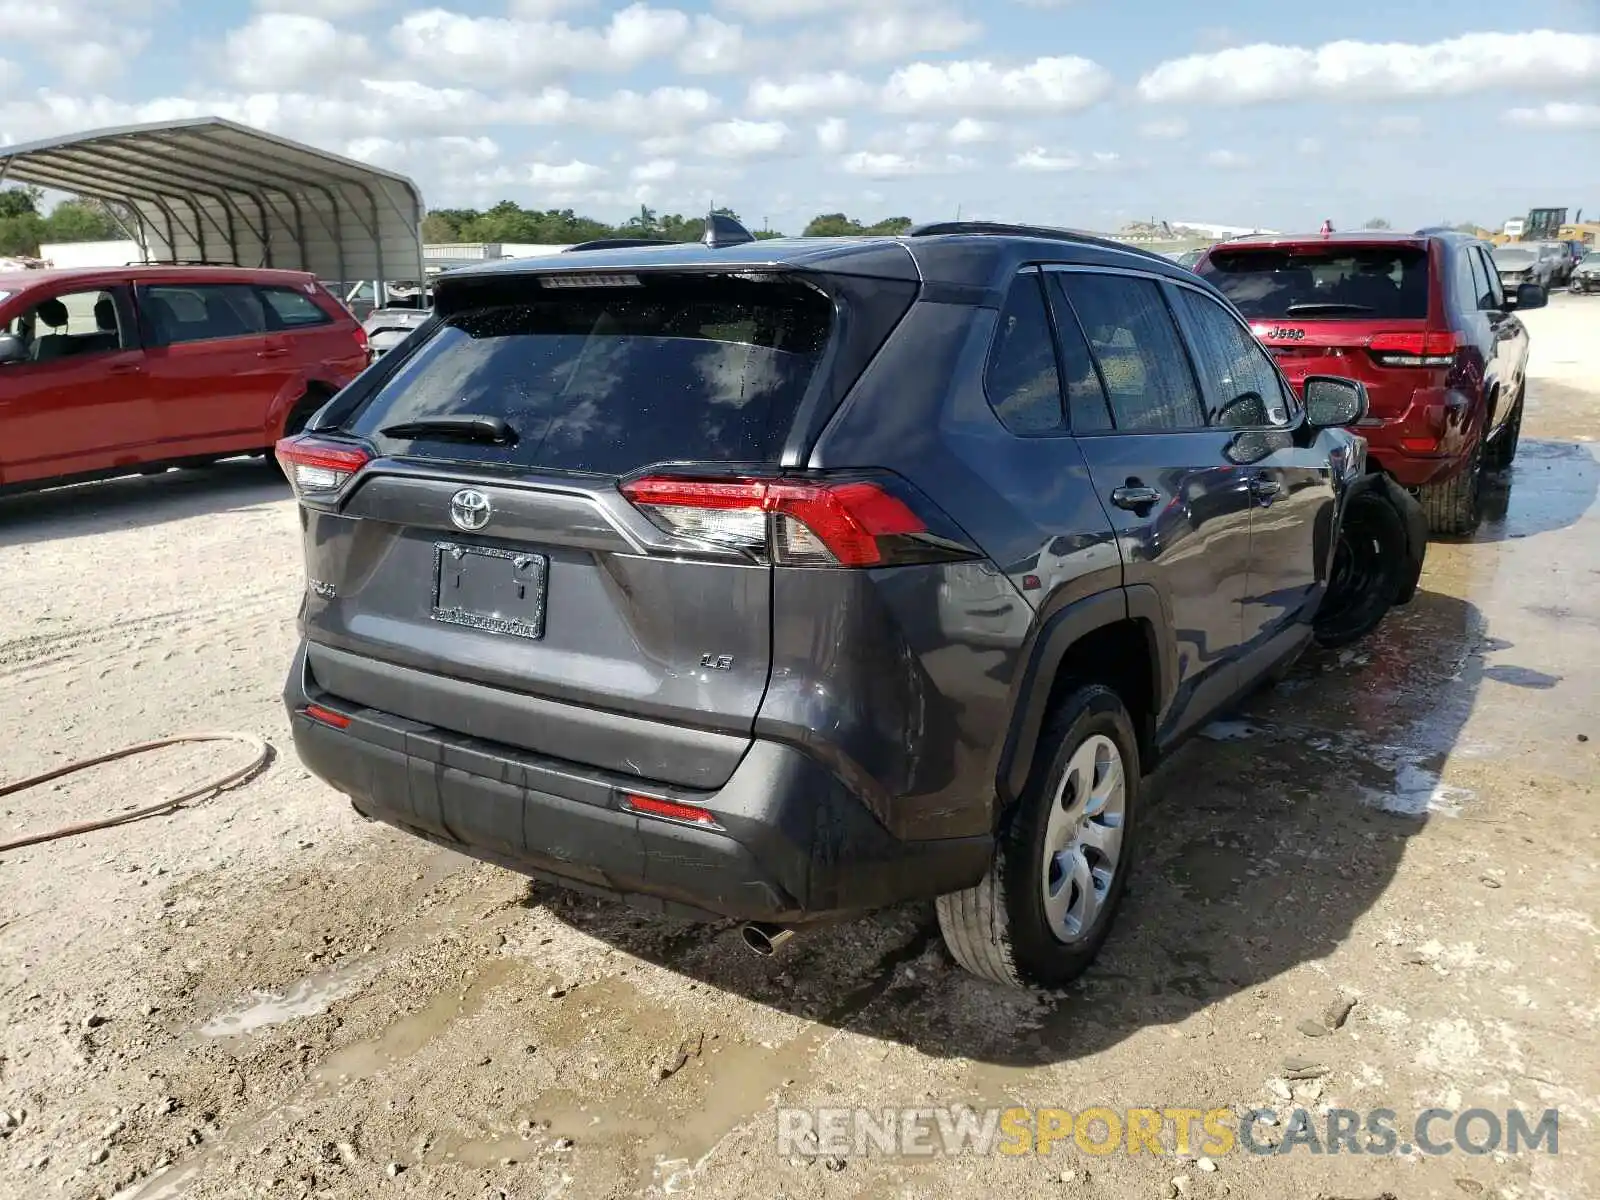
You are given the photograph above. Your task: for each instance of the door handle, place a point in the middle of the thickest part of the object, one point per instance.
(278, 352)
(126, 369)
(1265, 489)
(1135, 497)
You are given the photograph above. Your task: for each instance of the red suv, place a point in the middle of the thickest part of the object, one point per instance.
(117, 369)
(1423, 321)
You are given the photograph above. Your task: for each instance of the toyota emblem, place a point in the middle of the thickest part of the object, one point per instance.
(469, 509)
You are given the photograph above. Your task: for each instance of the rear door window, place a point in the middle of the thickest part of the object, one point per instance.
(1141, 356)
(607, 380)
(1021, 380)
(201, 312)
(1324, 282)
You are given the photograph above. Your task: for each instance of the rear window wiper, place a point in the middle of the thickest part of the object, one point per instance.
(491, 431)
(1316, 306)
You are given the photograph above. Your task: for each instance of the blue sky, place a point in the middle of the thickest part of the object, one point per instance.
(1082, 112)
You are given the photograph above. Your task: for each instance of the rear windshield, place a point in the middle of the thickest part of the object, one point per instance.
(610, 379)
(1350, 282)
(1514, 258)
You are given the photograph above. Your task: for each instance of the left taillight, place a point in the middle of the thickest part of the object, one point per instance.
(1432, 349)
(318, 468)
(802, 523)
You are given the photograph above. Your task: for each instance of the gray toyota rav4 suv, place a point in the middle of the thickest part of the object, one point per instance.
(784, 580)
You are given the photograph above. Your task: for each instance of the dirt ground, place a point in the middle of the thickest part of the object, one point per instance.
(263, 995)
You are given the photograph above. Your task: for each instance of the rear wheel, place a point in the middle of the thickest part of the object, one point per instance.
(1452, 507)
(1503, 449)
(302, 412)
(1061, 862)
(1369, 562)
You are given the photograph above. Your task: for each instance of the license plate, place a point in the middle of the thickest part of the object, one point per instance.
(498, 591)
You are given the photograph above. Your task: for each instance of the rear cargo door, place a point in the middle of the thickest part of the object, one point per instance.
(498, 584)
(1332, 308)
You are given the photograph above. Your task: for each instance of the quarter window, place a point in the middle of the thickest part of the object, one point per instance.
(290, 309)
(71, 325)
(1140, 354)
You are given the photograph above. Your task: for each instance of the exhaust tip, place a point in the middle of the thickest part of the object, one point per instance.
(765, 939)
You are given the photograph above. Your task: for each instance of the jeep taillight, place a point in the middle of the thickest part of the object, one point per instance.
(317, 468)
(855, 522)
(1414, 349)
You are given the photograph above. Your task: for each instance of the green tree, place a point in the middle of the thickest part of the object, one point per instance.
(438, 227)
(20, 201)
(1377, 223)
(839, 225)
(81, 221)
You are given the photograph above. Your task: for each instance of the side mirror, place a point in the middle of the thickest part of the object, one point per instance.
(12, 349)
(1333, 402)
(1529, 295)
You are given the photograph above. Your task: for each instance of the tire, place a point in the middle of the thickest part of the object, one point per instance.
(302, 412)
(1369, 564)
(1004, 929)
(1503, 450)
(1452, 507)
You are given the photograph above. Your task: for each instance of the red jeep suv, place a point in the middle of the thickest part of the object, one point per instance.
(1423, 321)
(104, 371)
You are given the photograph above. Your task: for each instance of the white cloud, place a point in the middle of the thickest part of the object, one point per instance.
(969, 132)
(1227, 160)
(1164, 130)
(332, 10)
(1040, 159)
(890, 165)
(564, 176)
(785, 10)
(715, 47)
(393, 109)
(516, 51)
(1350, 70)
(657, 170)
(1065, 84)
(890, 35)
(743, 139)
(1557, 115)
(833, 134)
(807, 93)
(284, 50)
(85, 43)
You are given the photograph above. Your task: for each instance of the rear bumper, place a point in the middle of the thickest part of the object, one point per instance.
(792, 844)
(1428, 442)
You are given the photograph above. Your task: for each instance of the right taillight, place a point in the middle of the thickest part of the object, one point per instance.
(800, 522)
(1414, 349)
(317, 468)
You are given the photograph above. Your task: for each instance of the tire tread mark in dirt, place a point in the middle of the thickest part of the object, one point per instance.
(882, 976)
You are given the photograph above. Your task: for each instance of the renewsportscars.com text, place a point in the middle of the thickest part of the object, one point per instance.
(951, 1131)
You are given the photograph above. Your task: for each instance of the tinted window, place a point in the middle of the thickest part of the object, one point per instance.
(608, 380)
(1243, 387)
(1021, 379)
(1323, 282)
(202, 311)
(1087, 409)
(1472, 279)
(69, 325)
(294, 310)
(1141, 357)
(1497, 293)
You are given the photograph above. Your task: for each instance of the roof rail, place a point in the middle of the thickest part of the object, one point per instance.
(616, 244)
(1006, 229)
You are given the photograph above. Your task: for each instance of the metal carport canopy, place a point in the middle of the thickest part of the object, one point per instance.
(211, 190)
